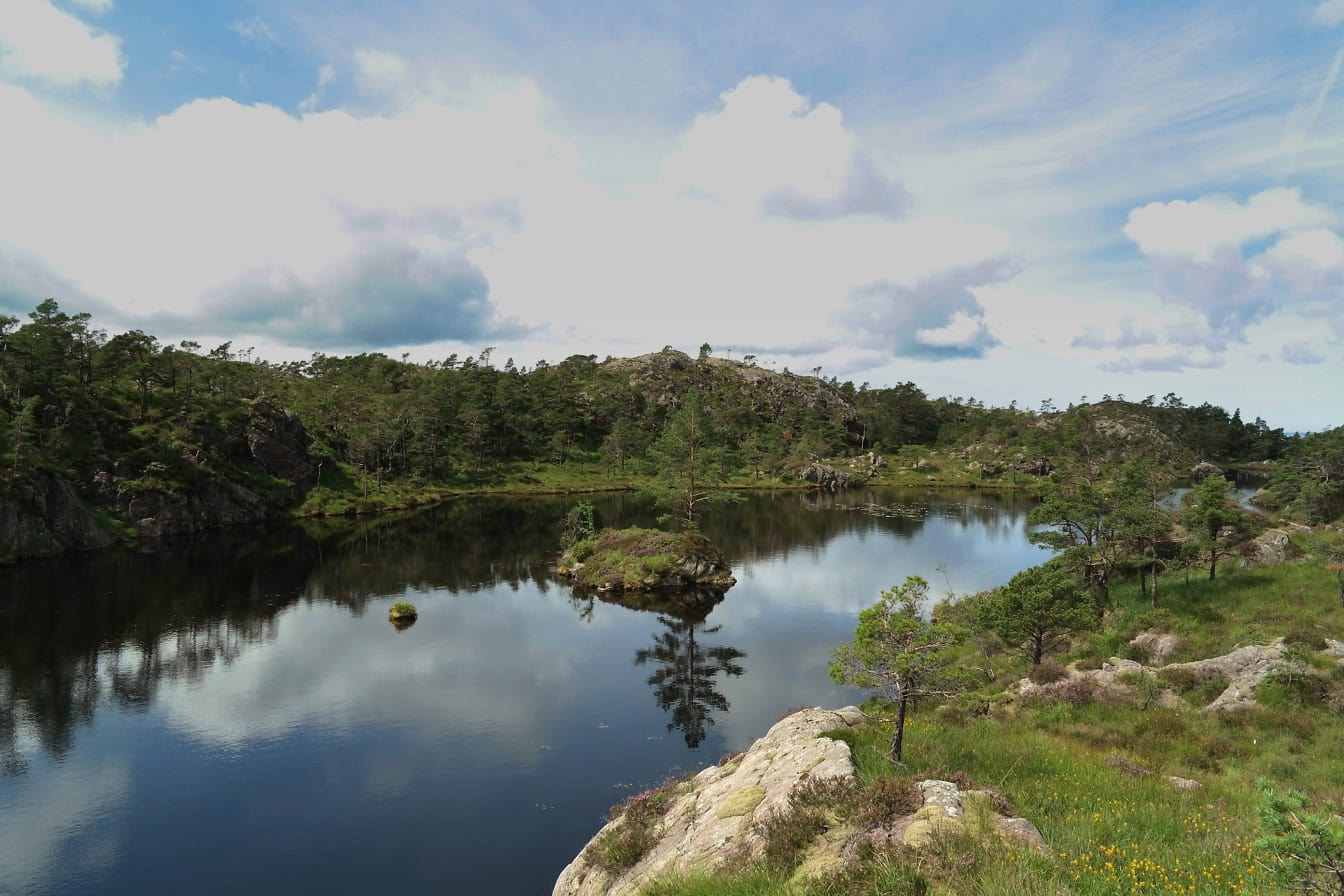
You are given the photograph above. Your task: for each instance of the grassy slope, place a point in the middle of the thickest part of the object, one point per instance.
(1092, 776)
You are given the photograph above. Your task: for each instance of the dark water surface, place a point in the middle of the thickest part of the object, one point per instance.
(238, 716)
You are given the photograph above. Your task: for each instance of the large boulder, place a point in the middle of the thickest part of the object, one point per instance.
(44, 516)
(1270, 547)
(1034, 467)
(1203, 470)
(1159, 646)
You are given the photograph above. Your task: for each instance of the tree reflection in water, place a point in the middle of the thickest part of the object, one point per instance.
(683, 682)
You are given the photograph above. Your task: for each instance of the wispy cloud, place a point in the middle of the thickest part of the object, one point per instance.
(253, 29)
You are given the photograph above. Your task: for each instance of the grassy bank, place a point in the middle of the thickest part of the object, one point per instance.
(1092, 775)
(343, 490)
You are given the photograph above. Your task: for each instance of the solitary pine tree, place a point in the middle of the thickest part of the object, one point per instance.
(1216, 522)
(688, 455)
(1037, 610)
(899, 655)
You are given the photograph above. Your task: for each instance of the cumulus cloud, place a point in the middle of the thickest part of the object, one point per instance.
(937, 318)
(1300, 353)
(385, 295)
(97, 7)
(40, 42)
(1200, 229)
(769, 147)
(1328, 13)
(326, 229)
(1202, 254)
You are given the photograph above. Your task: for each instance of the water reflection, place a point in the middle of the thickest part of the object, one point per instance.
(246, 690)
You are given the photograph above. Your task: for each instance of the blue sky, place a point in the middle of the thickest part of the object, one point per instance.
(1006, 201)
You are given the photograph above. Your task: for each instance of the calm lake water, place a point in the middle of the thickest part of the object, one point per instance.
(238, 715)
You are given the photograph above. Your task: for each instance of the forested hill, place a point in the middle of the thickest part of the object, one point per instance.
(166, 439)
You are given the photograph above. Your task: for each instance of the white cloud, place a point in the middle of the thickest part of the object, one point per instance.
(1200, 229)
(379, 70)
(97, 7)
(770, 148)
(41, 42)
(1328, 13)
(253, 29)
(1203, 253)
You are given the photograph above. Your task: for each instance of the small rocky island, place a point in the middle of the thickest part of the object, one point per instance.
(645, 559)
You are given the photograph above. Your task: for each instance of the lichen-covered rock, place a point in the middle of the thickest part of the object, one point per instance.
(715, 818)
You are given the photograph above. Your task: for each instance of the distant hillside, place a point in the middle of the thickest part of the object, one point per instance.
(162, 439)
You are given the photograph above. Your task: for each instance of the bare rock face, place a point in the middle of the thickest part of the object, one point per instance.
(714, 819)
(828, 477)
(1160, 646)
(1036, 467)
(214, 503)
(1203, 470)
(279, 444)
(1245, 669)
(43, 517)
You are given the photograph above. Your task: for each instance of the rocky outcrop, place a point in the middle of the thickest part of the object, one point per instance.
(1270, 547)
(1203, 470)
(868, 464)
(1244, 669)
(214, 503)
(1159, 646)
(717, 817)
(824, 476)
(44, 516)
(1034, 467)
(279, 444)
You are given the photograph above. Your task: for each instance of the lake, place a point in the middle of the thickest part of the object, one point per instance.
(237, 715)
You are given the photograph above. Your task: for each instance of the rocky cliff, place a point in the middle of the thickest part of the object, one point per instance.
(45, 516)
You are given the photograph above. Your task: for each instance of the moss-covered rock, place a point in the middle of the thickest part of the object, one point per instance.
(641, 559)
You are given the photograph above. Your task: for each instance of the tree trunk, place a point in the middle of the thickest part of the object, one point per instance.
(1213, 566)
(1143, 581)
(1154, 582)
(898, 735)
(1037, 649)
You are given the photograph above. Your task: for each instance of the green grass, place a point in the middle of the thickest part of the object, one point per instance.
(633, 559)
(1092, 777)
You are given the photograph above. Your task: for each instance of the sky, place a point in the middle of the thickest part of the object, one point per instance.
(1000, 201)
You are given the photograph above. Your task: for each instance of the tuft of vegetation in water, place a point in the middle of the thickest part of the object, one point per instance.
(402, 611)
